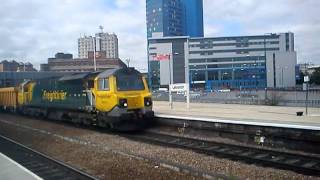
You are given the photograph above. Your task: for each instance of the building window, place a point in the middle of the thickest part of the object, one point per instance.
(287, 41)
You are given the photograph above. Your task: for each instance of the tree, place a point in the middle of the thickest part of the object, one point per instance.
(315, 77)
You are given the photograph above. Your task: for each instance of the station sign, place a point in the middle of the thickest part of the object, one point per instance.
(178, 87)
(306, 79)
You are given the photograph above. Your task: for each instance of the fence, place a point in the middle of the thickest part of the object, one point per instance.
(254, 97)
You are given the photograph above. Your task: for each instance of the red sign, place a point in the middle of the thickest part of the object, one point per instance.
(161, 57)
(98, 54)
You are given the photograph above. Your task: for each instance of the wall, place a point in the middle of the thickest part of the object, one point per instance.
(282, 73)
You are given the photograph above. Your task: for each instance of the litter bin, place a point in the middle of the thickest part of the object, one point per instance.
(300, 113)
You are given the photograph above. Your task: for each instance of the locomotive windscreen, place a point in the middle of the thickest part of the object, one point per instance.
(129, 82)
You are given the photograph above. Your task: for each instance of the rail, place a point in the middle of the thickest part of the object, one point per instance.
(38, 163)
(305, 164)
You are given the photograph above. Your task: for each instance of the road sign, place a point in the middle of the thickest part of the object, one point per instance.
(178, 87)
(306, 79)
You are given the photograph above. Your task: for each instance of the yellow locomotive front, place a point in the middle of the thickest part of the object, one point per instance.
(122, 98)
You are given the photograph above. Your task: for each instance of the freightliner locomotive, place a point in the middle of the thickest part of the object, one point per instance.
(115, 98)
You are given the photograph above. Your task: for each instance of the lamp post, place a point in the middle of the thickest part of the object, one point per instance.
(170, 93)
(171, 78)
(187, 77)
(94, 54)
(149, 70)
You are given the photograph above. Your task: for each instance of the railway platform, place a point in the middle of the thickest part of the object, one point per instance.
(11, 170)
(274, 116)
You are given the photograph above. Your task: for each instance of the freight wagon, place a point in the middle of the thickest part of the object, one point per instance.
(8, 98)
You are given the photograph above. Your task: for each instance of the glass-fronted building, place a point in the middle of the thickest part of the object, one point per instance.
(174, 18)
(194, 18)
(225, 62)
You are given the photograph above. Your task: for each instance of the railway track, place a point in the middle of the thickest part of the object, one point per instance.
(40, 164)
(304, 164)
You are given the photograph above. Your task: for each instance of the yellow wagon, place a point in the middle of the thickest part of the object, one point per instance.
(8, 98)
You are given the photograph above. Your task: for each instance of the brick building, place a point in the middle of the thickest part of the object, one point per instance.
(58, 64)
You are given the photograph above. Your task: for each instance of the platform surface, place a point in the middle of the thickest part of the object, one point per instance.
(233, 113)
(11, 170)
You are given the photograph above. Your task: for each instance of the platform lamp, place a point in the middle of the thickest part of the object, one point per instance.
(171, 78)
(94, 52)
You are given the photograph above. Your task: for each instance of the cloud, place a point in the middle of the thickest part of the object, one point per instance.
(34, 30)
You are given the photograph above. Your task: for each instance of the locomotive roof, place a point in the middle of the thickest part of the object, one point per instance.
(78, 76)
(99, 74)
(110, 72)
(107, 73)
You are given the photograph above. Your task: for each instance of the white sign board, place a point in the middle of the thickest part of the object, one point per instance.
(306, 79)
(178, 87)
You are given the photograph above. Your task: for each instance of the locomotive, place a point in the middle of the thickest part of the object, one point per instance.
(116, 98)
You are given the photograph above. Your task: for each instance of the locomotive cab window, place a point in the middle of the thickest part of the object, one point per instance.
(103, 85)
(130, 82)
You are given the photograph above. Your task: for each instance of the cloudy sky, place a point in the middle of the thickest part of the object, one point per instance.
(33, 30)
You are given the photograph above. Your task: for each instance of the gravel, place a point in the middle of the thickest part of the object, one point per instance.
(101, 157)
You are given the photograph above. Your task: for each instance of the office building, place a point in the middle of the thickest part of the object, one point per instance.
(224, 62)
(194, 18)
(174, 18)
(105, 45)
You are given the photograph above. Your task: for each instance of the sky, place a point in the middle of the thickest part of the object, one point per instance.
(34, 30)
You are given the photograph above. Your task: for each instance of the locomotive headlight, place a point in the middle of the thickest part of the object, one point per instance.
(147, 101)
(123, 103)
